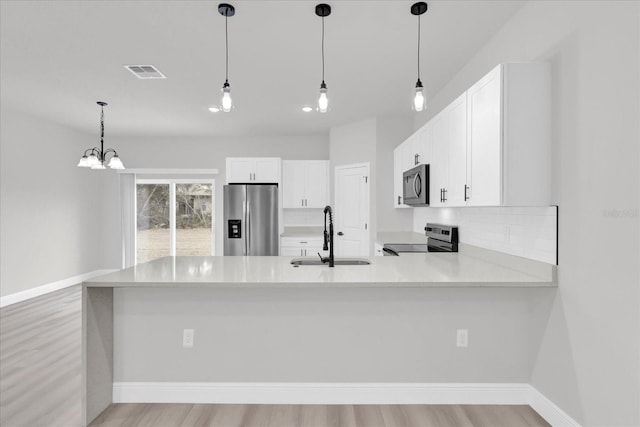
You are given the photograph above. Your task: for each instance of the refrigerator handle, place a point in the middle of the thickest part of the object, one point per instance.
(248, 229)
(244, 214)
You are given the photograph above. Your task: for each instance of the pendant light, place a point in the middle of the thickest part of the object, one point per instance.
(419, 103)
(97, 156)
(226, 103)
(323, 10)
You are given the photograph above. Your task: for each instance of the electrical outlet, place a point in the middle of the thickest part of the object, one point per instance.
(462, 338)
(187, 338)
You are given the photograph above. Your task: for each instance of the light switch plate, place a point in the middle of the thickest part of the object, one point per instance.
(462, 338)
(187, 338)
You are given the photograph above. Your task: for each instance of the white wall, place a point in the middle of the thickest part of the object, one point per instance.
(588, 361)
(211, 153)
(51, 212)
(373, 140)
(391, 131)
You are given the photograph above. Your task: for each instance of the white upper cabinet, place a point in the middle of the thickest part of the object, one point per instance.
(509, 137)
(448, 168)
(484, 151)
(492, 145)
(439, 166)
(305, 183)
(253, 170)
(399, 163)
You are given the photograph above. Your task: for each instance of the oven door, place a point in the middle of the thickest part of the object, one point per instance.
(415, 186)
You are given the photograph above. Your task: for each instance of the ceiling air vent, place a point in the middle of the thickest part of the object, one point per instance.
(145, 71)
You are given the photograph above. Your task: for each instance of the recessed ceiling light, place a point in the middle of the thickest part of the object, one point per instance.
(214, 109)
(307, 109)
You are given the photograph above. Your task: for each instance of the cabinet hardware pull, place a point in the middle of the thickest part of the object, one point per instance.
(417, 159)
(466, 187)
(399, 200)
(444, 194)
(340, 233)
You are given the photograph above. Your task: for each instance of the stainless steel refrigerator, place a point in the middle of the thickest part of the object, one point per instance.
(251, 219)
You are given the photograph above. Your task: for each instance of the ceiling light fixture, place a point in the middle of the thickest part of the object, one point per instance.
(214, 109)
(226, 102)
(307, 109)
(323, 10)
(97, 156)
(419, 103)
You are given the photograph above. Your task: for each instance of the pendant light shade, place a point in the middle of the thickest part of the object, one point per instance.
(419, 101)
(95, 157)
(323, 10)
(226, 103)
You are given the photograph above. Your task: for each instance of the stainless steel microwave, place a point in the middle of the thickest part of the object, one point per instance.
(415, 186)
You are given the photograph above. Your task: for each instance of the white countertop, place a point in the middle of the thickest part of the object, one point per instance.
(408, 237)
(411, 270)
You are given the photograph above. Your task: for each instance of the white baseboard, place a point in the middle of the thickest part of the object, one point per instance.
(50, 287)
(320, 393)
(343, 393)
(549, 410)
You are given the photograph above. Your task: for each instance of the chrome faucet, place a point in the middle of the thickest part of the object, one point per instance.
(328, 237)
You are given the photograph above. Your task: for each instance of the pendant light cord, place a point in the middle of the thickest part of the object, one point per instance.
(101, 125)
(102, 133)
(226, 47)
(419, 47)
(323, 49)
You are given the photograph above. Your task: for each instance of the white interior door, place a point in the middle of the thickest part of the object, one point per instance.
(351, 210)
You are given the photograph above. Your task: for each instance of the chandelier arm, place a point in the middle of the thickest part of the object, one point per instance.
(107, 151)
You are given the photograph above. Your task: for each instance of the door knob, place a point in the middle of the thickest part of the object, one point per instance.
(340, 233)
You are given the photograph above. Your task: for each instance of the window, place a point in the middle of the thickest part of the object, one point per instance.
(173, 217)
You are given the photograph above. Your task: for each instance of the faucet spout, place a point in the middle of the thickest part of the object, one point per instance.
(328, 235)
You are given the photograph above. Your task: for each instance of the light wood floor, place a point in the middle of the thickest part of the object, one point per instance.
(40, 386)
(185, 415)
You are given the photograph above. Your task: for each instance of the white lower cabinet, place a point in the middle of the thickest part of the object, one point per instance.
(301, 246)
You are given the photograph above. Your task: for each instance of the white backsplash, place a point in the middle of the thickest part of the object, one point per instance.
(528, 232)
(302, 217)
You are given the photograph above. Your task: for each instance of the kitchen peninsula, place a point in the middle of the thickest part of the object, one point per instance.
(110, 319)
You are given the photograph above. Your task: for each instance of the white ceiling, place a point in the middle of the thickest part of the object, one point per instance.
(59, 57)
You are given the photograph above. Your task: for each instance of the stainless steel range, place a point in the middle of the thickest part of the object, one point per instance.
(440, 238)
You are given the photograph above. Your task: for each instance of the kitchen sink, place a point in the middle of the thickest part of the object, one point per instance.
(338, 261)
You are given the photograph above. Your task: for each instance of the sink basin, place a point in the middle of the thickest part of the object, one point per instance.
(337, 261)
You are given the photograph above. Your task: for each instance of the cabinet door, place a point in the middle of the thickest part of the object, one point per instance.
(314, 246)
(439, 167)
(457, 112)
(316, 184)
(407, 154)
(293, 184)
(239, 170)
(267, 170)
(425, 145)
(291, 251)
(417, 155)
(485, 140)
(397, 177)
